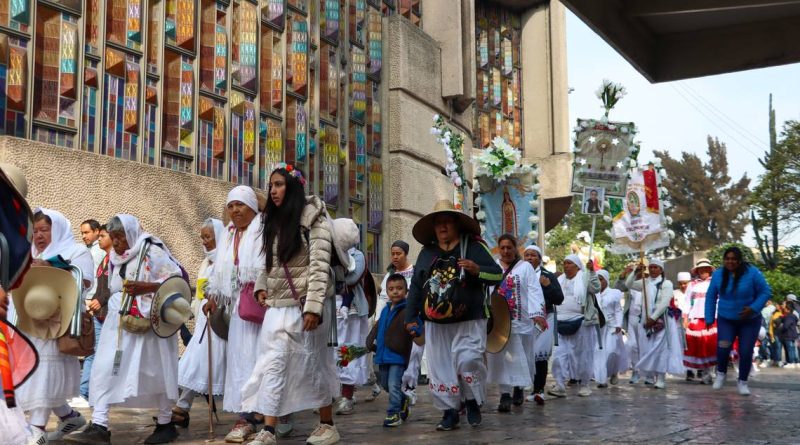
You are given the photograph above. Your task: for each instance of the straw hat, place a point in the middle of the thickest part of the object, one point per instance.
(171, 307)
(424, 232)
(700, 264)
(45, 302)
(16, 223)
(17, 178)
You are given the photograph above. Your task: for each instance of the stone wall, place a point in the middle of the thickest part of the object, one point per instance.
(84, 185)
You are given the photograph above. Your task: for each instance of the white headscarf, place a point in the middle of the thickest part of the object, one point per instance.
(575, 259)
(228, 278)
(245, 195)
(535, 249)
(62, 243)
(657, 262)
(219, 233)
(604, 273)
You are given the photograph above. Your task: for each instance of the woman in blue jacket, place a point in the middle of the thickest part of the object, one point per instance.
(741, 291)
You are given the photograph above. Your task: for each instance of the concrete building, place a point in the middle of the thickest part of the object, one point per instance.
(155, 107)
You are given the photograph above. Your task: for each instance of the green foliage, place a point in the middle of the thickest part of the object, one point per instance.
(715, 254)
(708, 207)
(782, 284)
(789, 261)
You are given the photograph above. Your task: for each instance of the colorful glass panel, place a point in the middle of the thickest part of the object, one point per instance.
(297, 70)
(213, 48)
(274, 12)
(13, 85)
(270, 149)
(243, 139)
(150, 121)
(375, 198)
(55, 67)
(357, 18)
(329, 142)
(358, 84)
(93, 40)
(89, 115)
(177, 132)
(375, 53)
(154, 32)
(15, 14)
(211, 153)
(123, 23)
(271, 73)
(179, 23)
(120, 105)
(357, 153)
(244, 56)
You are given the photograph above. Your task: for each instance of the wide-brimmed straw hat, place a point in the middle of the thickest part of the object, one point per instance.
(171, 307)
(424, 231)
(16, 224)
(45, 301)
(701, 264)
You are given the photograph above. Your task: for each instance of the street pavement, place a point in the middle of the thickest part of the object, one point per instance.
(683, 413)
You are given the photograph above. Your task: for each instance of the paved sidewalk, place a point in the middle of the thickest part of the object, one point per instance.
(685, 413)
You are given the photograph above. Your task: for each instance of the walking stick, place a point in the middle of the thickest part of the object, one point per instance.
(210, 383)
(591, 246)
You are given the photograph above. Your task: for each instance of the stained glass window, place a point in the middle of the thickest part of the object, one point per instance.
(93, 40)
(15, 14)
(329, 167)
(121, 105)
(300, 5)
(274, 12)
(498, 100)
(55, 67)
(358, 84)
(375, 199)
(374, 119)
(243, 53)
(329, 19)
(328, 83)
(179, 23)
(243, 138)
(270, 149)
(375, 51)
(53, 137)
(150, 121)
(177, 131)
(123, 23)
(153, 36)
(89, 117)
(357, 18)
(13, 85)
(411, 10)
(271, 72)
(357, 155)
(297, 49)
(213, 48)
(211, 153)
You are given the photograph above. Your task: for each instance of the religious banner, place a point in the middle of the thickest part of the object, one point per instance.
(508, 201)
(638, 221)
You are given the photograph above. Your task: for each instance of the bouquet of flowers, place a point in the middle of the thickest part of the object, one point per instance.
(498, 161)
(610, 93)
(453, 143)
(348, 353)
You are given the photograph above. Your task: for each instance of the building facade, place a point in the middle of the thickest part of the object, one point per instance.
(199, 94)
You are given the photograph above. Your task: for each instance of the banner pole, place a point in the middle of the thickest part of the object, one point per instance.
(591, 242)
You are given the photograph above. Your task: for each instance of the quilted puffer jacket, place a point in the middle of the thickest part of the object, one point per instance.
(310, 274)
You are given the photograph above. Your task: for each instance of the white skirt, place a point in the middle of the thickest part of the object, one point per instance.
(574, 355)
(193, 366)
(242, 352)
(13, 427)
(295, 370)
(148, 371)
(656, 353)
(613, 358)
(56, 379)
(352, 330)
(456, 365)
(634, 333)
(411, 374)
(543, 340)
(510, 366)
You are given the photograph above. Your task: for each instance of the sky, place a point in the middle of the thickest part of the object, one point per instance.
(678, 116)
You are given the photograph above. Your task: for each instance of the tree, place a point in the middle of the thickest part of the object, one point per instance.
(772, 198)
(708, 208)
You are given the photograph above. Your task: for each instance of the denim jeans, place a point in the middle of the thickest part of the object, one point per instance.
(391, 380)
(790, 348)
(87, 362)
(747, 332)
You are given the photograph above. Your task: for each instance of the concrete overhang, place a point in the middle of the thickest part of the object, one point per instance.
(669, 40)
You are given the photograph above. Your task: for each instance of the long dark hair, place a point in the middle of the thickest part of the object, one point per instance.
(283, 222)
(736, 273)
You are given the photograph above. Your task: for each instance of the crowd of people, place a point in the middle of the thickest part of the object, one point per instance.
(281, 283)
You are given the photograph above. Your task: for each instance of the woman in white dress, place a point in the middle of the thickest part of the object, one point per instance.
(613, 358)
(146, 374)
(57, 378)
(514, 367)
(295, 370)
(238, 263)
(193, 366)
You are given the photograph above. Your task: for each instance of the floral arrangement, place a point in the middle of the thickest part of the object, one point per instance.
(499, 161)
(610, 93)
(348, 353)
(625, 134)
(453, 144)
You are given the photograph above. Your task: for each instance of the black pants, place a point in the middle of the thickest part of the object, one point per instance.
(541, 376)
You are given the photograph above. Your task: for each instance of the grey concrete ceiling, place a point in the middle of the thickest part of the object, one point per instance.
(677, 39)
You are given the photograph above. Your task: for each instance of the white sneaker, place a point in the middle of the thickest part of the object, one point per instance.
(635, 377)
(584, 391)
(324, 435)
(376, 391)
(344, 406)
(557, 390)
(67, 426)
(707, 378)
(742, 386)
(240, 432)
(719, 380)
(660, 383)
(38, 437)
(263, 437)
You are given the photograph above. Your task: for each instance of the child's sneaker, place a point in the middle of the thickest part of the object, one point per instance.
(392, 421)
(406, 409)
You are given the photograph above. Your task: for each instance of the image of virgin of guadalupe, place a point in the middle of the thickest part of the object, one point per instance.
(509, 211)
(634, 205)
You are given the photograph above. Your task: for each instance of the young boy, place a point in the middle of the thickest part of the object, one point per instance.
(392, 346)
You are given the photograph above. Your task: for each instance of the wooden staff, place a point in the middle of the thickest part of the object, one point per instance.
(210, 381)
(644, 289)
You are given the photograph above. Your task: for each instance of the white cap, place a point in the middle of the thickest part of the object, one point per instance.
(684, 276)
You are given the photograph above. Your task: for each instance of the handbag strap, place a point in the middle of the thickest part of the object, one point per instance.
(291, 283)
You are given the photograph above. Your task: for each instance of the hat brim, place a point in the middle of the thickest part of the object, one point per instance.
(16, 224)
(702, 266)
(425, 233)
(67, 290)
(168, 290)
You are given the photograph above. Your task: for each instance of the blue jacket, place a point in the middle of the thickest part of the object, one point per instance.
(385, 355)
(752, 291)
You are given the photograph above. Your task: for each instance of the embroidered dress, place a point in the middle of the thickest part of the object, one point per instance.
(515, 365)
(701, 341)
(148, 371)
(613, 358)
(57, 378)
(455, 362)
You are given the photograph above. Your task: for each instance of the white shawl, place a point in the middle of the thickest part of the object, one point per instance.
(63, 244)
(227, 277)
